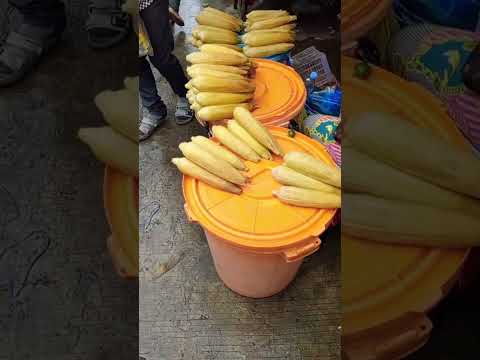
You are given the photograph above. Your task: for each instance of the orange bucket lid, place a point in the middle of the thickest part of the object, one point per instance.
(280, 93)
(396, 279)
(256, 220)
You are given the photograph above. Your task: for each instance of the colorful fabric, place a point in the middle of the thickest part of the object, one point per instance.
(434, 57)
(321, 127)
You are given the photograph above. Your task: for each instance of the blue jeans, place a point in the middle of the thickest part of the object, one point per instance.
(148, 91)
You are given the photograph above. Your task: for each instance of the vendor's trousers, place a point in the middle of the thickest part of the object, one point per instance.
(156, 21)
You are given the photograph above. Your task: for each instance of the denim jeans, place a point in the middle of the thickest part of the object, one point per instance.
(151, 101)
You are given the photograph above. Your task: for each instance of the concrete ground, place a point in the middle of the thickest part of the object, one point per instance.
(185, 310)
(60, 298)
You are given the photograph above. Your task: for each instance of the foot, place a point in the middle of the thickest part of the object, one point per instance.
(23, 50)
(175, 17)
(107, 25)
(150, 122)
(183, 113)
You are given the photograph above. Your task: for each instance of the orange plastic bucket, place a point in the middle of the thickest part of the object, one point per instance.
(257, 242)
(386, 299)
(359, 17)
(280, 93)
(120, 197)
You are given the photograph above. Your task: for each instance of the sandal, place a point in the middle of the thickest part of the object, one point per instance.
(23, 50)
(148, 125)
(183, 113)
(107, 24)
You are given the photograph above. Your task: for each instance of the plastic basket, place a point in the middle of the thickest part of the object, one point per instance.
(310, 60)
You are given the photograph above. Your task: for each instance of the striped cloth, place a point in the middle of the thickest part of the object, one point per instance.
(465, 109)
(335, 151)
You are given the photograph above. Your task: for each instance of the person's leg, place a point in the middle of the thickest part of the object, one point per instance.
(154, 108)
(156, 21)
(41, 28)
(174, 4)
(148, 91)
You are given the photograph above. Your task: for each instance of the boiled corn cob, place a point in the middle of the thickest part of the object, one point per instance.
(234, 143)
(191, 169)
(212, 37)
(221, 49)
(211, 163)
(257, 15)
(257, 130)
(215, 84)
(219, 151)
(267, 50)
(308, 198)
(198, 28)
(210, 19)
(201, 57)
(120, 110)
(112, 148)
(389, 139)
(218, 74)
(219, 112)
(286, 176)
(310, 166)
(195, 106)
(395, 184)
(254, 38)
(270, 23)
(132, 84)
(393, 221)
(218, 98)
(223, 15)
(236, 129)
(223, 68)
(284, 28)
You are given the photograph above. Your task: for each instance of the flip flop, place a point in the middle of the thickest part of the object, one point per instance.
(107, 25)
(24, 48)
(183, 113)
(148, 125)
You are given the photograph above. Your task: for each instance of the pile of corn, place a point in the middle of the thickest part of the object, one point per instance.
(429, 197)
(221, 165)
(216, 27)
(268, 33)
(220, 82)
(309, 182)
(116, 145)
